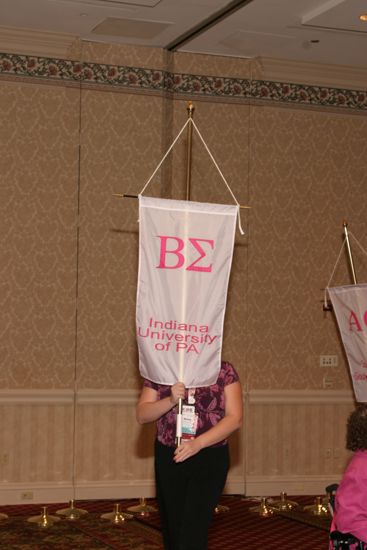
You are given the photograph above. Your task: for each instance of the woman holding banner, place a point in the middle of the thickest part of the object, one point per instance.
(190, 477)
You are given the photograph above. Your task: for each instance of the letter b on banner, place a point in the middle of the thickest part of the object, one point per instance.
(176, 248)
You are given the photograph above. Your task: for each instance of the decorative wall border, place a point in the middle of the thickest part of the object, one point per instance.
(154, 80)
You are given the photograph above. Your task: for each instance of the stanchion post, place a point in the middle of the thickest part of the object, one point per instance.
(190, 114)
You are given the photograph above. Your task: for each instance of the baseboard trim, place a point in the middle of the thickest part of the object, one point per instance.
(47, 493)
(43, 493)
(116, 490)
(35, 493)
(235, 486)
(302, 485)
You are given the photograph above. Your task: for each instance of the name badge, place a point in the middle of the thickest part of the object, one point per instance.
(189, 422)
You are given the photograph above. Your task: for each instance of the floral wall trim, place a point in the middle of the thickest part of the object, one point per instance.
(153, 80)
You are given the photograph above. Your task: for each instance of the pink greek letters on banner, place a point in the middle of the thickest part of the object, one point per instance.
(185, 256)
(179, 255)
(350, 306)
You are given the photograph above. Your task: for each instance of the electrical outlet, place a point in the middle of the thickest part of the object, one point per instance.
(327, 381)
(336, 452)
(328, 360)
(27, 495)
(4, 459)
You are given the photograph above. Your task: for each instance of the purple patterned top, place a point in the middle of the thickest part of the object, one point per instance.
(209, 405)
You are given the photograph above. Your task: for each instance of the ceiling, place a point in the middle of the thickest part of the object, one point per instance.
(316, 31)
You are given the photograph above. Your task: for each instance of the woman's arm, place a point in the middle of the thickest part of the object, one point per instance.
(231, 421)
(149, 408)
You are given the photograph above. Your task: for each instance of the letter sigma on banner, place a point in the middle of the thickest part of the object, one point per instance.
(350, 306)
(185, 257)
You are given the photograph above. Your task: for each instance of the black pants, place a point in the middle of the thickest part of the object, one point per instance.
(187, 494)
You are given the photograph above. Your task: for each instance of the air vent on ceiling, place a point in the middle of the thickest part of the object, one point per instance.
(252, 43)
(130, 28)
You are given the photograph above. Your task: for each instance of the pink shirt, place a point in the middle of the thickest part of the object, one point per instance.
(351, 498)
(209, 405)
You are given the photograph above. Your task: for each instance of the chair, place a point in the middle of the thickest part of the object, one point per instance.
(345, 541)
(331, 490)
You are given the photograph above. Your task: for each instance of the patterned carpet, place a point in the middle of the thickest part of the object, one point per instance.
(89, 532)
(236, 529)
(240, 529)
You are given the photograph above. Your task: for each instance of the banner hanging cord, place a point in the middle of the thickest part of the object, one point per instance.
(332, 274)
(359, 244)
(190, 120)
(165, 156)
(222, 176)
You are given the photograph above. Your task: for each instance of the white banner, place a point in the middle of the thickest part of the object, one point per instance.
(350, 306)
(185, 256)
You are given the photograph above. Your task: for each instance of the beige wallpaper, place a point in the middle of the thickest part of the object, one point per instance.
(38, 205)
(307, 175)
(120, 141)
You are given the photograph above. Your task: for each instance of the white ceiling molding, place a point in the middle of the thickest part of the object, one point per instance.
(246, 42)
(332, 76)
(25, 41)
(131, 28)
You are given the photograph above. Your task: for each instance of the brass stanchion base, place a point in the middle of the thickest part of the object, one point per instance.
(117, 516)
(71, 513)
(220, 509)
(142, 509)
(3, 516)
(263, 510)
(44, 520)
(317, 509)
(284, 505)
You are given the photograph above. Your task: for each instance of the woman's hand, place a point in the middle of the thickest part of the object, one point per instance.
(189, 448)
(177, 392)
